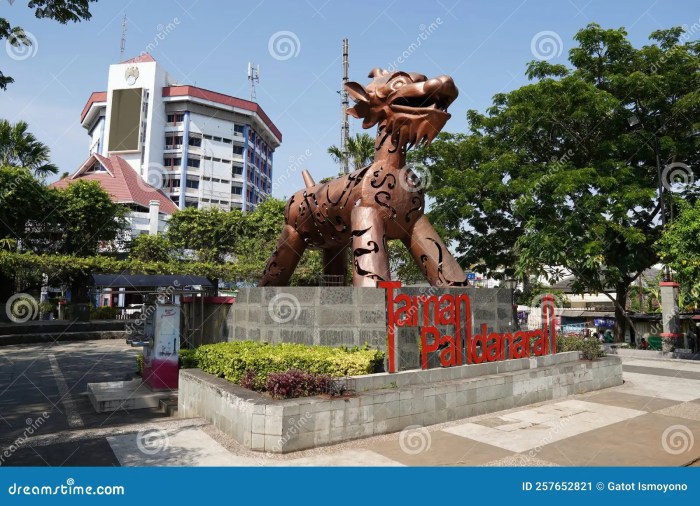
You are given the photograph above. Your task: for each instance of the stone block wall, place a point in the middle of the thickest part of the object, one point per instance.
(389, 403)
(349, 316)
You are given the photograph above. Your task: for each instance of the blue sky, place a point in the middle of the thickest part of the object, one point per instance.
(484, 45)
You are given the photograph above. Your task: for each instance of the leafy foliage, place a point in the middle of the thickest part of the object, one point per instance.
(19, 148)
(679, 249)
(295, 383)
(211, 233)
(151, 248)
(63, 11)
(590, 348)
(561, 176)
(360, 151)
(234, 360)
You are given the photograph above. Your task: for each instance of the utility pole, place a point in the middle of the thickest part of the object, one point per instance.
(345, 125)
(122, 45)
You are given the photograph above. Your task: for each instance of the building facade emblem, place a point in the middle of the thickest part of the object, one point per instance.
(131, 74)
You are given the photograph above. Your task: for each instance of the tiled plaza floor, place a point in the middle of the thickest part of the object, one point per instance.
(651, 420)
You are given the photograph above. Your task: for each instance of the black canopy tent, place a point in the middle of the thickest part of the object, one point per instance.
(151, 286)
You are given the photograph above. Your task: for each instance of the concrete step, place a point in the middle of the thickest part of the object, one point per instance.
(50, 337)
(168, 406)
(114, 395)
(58, 326)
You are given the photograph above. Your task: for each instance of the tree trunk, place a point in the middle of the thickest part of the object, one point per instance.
(6, 291)
(620, 314)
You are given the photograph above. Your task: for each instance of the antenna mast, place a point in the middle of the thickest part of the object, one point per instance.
(122, 46)
(253, 77)
(345, 125)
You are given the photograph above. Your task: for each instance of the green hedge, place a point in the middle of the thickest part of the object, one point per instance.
(590, 347)
(232, 360)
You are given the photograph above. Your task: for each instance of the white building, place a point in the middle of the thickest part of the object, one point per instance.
(200, 147)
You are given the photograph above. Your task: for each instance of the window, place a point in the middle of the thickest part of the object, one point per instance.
(227, 141)
(237, 190)
(239, 129)
(237, 150)
(237, 171)
(173, 141)
(207, 137)
(97, 167)
(193, 183)
(195, 141)
(224, 160)
(172, 162)
(171, 182)
(217, 139)
(178, 117)
(193, 162)
(216, 159)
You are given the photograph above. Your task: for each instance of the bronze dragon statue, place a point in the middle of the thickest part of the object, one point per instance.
(383, 201)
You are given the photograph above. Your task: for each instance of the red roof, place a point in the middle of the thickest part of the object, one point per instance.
(145, 57)
(122, 183)
(220, 98)
(96, 96)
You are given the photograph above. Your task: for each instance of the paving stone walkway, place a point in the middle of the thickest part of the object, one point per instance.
(653, 419)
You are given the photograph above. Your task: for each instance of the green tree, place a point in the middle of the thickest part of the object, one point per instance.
(151, 248)
(360, 151)
(210, 233)
(19, 148)
(258, 238)
(87, 220)
(679, 249)
(561, 176)
(63, 11)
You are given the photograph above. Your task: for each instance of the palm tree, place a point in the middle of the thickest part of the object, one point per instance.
(360, 151)
(19, 148)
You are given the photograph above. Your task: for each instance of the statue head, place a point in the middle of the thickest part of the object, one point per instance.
(407, 106)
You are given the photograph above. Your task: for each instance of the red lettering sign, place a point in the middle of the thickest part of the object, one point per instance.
(460, 347)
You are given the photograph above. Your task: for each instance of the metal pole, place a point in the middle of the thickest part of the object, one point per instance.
(662, 199)
(345, 125)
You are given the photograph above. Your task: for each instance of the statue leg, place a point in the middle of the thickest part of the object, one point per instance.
(370, 258)
(281, 265)
(433, 257)
(335, 262)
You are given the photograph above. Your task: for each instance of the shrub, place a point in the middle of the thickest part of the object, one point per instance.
(188, 359)
(103, 313)
(139, 364)
(296, 383)
(233, 360)
(590, 348)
